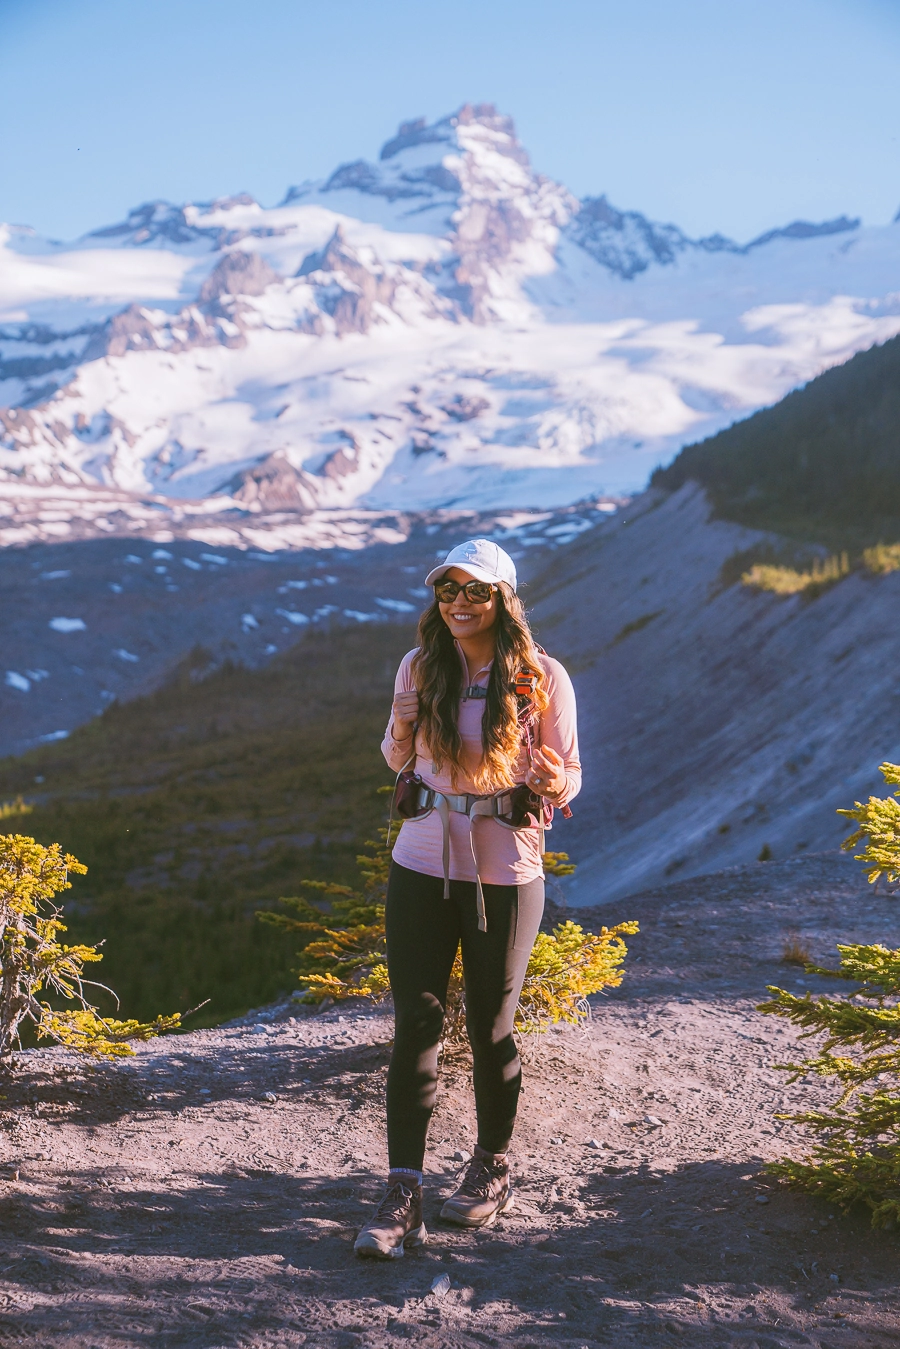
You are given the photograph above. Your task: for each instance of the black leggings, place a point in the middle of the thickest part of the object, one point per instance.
(424, 931)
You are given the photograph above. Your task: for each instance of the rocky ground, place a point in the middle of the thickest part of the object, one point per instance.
(207, 1192)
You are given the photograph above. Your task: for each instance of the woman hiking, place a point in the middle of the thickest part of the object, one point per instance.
(483, 738)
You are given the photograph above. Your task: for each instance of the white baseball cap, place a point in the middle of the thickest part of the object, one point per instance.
(483, 560)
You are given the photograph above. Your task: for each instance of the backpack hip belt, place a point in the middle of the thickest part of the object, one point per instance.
(508, 802)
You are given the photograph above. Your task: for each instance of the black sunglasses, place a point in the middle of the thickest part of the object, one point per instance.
(476, 592)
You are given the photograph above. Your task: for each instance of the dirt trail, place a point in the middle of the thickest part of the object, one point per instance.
(207, 1192)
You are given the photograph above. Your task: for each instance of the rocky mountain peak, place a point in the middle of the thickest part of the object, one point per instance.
(345, 288)
(470, 172)
(232, 202)
(238, 273)
(452, 130)
(486, 115)
(417, 132)
(482, 126)
(335, 256)
(474, 149)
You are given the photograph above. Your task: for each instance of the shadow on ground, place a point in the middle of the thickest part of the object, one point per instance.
(89, 1094)
(243, 1259)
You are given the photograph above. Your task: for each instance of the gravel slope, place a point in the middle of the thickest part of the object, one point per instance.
(712, 721)
(169, 1201)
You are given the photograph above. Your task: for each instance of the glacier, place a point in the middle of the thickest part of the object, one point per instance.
(444, 328)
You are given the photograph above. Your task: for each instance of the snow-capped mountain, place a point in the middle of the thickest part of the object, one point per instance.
(444, 327)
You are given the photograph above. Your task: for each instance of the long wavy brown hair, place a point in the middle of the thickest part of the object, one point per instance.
(438, 672)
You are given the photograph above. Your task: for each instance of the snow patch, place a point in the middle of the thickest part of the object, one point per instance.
(399, 606)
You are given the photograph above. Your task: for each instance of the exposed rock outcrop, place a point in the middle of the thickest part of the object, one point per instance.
(806, 229)
(417, 132)
(141, 329)
(503, 139)
(56, 350)
(345, 287)
(33, 367)
(238, 273)
(364, 178)
(466, 409)
(628, 243)
(624, 241)
(272, 485)
(215, 321)
(132, 330)
(155, 221)
(341, 463)
(232, 202)
(503, 209)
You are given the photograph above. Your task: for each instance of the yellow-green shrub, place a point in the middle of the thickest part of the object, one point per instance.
(883, 558)
(33, 961)
(345, 954)
(8, 809)
(565, 968)
(878, 823)
(823, 572)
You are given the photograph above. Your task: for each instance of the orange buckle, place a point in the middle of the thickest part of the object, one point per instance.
(525, 684)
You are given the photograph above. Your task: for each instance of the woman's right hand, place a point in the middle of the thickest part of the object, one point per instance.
(405, 714)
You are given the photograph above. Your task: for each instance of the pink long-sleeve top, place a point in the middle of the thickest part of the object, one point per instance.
(505, 856)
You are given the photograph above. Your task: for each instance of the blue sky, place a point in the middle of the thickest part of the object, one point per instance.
(732, 115)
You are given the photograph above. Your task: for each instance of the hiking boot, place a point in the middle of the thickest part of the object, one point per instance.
(484, 1194)
(397, 1222)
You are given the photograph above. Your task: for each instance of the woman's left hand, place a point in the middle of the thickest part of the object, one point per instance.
(546, 776)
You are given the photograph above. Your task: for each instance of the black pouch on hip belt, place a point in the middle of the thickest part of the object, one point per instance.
(412, 799)
(525, 809)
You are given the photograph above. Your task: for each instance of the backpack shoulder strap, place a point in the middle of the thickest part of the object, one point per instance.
(526, 711)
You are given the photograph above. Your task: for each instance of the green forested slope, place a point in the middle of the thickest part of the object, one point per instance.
(207, 800)
(822, 464)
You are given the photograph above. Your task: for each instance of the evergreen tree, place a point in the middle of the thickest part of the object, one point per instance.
(822, 464)
(856, 1156)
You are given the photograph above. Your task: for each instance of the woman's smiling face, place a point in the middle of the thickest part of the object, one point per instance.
(463, 618)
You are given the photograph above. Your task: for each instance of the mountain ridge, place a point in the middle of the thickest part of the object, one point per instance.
(189, 345)
(823, 464)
